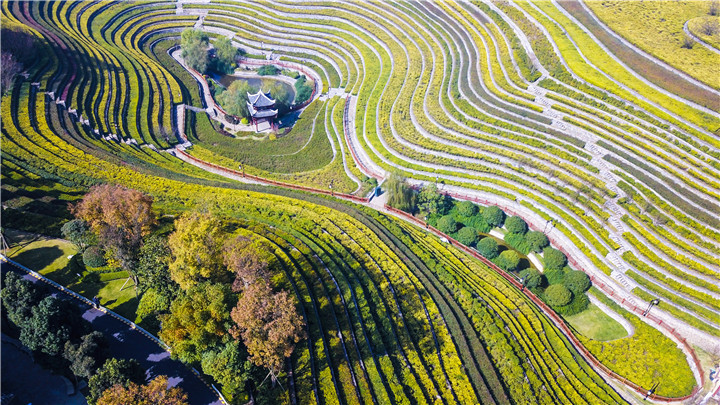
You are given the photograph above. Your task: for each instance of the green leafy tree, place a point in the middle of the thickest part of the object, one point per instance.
(494, 216)
(94, 257)
(400, 195)
(19, 297)
(577, 282)
(156, 392)
(153, 268)
(120, 372)
(488, 247)
(555, 276)
(532, 278)
(268, 70)
(467, 236)
(229, 367)
(269, 325)
(152, 304)
(197, 321)
(554, 259)
(194, 45)
(241, 257)
(87, 356)
(557, 295)
(49, 326)
(234, 100)
(78, 232)
(508, 260)
(467, 209)
(280, 93)
(516, 224)
(430, 200)
(447, 224)
(536, 241)
(225, 54)
(196, 246)
(303, 90)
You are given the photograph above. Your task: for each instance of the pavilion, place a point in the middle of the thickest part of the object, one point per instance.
(262, 110)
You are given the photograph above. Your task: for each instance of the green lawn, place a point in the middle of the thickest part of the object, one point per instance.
(51, 258)
(596, 324)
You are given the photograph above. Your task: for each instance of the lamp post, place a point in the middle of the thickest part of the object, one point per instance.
(332, 193)
(242, 169)
(652, 303)
(522, 283)
(651, 391)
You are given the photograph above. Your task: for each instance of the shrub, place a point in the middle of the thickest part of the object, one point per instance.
(94, 256)
(536, 241)
(577, 282)
(517, 241)
(554, 259)
(494, 216)
(467, 209)
(488, 247)
(516, 225)
(478, 222)
(532, 277)
(268, 70)
(557, 295)
(447, 224)
(688, 42)
(467, 236)
(508, 260)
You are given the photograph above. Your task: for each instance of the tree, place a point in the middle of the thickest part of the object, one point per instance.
(156, 392)
(710, 27)
(536, 241)
(10, 68)
(196, 322)
(241, 257)
(557, 295)
(234, 100)
(494, 216)
(229, 367)
(19, 297)
(152, 303)
(269, 325)
(447, 224)
(121, 217)
(194, 44)
(430, 200)
(120, 372)
(467, 236)
(49, 326)
(280, 93)
(87, 356)
(508, 260)
(94, 256)
(466, 209)
(516, 224)
(78, 232)
(532, 277)
(577, 282)
(196, 247)
(554, 259)
(488, 247)
(153, 268)
(401, 196)
(303, 90)
(225, 54)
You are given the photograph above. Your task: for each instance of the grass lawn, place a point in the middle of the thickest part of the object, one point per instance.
(51, 258)
(595, 324)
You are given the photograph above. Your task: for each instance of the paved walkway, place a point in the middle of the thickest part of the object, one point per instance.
(128, 343)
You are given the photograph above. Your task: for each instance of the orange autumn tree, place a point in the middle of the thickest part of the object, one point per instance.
(156, 392)
(269, 325)
(121, 217)
(241, 257)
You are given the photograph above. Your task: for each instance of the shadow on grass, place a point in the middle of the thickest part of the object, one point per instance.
(39, 258)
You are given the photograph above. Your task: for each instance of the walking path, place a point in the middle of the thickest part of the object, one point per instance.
(128, 340)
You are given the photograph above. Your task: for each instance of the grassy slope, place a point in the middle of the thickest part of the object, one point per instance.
(595, 324)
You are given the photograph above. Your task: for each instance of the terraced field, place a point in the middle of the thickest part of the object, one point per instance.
(549, 110)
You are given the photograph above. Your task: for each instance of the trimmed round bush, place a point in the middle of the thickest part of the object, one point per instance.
(516, 225)
(447, 224)
(466, 208)
(555, 276)
(554, 259)
(532, 277)
(508, 260)
(494, 216)
(94, 257)
(578, 304)
(577, 282)
(536, 241)
(467, 236)
(488, 247)
(557, 295)
(478, 222)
